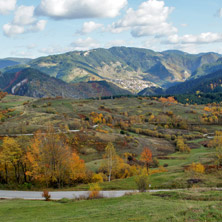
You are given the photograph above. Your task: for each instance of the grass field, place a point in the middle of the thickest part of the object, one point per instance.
(163, 206)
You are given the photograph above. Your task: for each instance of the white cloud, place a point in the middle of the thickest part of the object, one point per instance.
(149, 20)
(203, 38)
(219, 13)
(74, 9)
(6, 6)
(55, 49)
(90, 27)
(24, 54)
(23, 22)
(24, 15)
(115, 43)
(12, 30)
(37, 26)
(79, 45)
(84, 44)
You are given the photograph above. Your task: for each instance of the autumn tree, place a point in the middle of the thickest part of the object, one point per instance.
(217, 143)
(24, 143)
(181, 146)
(10, 157)
(110, 159)
(51, 160)
(146, 157)
(196, 169)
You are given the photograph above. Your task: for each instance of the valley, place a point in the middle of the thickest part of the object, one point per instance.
(113, 124)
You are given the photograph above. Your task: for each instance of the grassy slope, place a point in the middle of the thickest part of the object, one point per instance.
(175, 206)
(174, 178)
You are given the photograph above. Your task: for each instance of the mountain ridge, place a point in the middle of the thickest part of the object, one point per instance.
(130, 68)
(33, 83)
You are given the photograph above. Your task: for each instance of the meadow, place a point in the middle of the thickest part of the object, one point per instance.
(192, 205)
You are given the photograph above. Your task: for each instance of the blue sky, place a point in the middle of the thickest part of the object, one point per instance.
(43, 27)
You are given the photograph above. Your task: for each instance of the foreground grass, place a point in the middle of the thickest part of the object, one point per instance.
(168, 206)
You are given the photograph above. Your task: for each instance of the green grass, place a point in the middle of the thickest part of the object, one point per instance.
(175, 206)
(174, 178)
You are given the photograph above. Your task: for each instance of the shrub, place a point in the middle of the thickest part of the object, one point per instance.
(46, 195)
(97, 178)
(142, 183)
(196, 168)
(155, 162)
(94, 191)
(165, 165)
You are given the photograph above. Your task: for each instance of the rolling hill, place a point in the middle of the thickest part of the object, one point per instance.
(33, 83)
(130, 68)
(8, 62)
(133, 69)
(210, 83)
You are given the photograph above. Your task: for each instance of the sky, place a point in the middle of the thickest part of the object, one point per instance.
(34, 28)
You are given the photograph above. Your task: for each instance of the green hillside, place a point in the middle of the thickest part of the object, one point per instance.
(33, 83)
(123, 63)
(210, 83)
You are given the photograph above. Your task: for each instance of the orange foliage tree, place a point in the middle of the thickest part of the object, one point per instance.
(52, 162)
(169, 99)
(146, 157)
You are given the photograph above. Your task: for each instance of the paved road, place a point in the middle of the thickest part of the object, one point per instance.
(56, 195)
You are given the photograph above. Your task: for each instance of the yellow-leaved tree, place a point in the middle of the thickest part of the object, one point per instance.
(110, 159)
(52, 162)
(217, 143)
(11, 157)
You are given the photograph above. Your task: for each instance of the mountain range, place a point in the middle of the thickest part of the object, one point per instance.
(133, 70)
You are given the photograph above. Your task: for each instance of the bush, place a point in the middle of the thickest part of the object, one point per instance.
(196, 168)
(94, 191)
(165, 165)
(97, 178)
(155, 162)
(46, 195)
(142, 183)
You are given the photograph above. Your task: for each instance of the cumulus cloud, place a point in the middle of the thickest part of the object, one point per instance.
(203, 38)
(84, 44)
(149, 20)
(37, 26)
(6, 6)
(12, 30)
(24, 15)
(23, 21)
(89, 27)
(75, 9)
